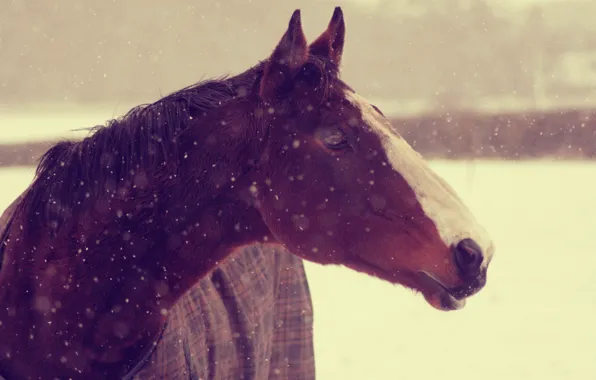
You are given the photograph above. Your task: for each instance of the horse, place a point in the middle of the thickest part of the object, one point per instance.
(116, 227)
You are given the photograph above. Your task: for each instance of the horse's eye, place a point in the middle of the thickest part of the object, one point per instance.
(335, 139)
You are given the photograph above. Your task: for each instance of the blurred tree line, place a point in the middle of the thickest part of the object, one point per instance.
(454, 135)
(569, 134)
(448, 51)
(459, 50)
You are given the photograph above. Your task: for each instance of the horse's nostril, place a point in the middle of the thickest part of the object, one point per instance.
(468, 257)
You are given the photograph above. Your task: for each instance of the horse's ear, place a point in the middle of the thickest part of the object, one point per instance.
(287, 59)
(330, 44)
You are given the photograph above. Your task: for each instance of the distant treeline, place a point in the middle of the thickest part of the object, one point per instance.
(454, 135)
(569, 134)
(89, 51)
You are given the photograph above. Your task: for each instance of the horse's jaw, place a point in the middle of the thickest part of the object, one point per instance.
(438, 296)
(435, 293)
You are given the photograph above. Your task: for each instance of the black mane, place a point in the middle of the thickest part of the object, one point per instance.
(144, 138)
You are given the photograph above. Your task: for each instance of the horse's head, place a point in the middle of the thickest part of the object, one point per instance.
(341, 186)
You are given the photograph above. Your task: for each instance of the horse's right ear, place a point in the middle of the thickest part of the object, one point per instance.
(330, 44)
(287, 59)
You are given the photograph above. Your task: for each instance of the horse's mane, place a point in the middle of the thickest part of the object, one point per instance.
(146, 135)
(144, 138)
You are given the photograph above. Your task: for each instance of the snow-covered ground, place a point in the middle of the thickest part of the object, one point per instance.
(534, 320)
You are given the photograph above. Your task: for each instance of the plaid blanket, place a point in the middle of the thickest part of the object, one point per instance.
(250, 319)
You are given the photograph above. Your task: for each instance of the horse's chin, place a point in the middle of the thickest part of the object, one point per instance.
(437, 295)
(444, 301)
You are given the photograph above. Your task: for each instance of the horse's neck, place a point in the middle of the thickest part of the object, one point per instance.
(103, 285)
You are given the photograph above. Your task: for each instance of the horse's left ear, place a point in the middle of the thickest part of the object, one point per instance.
(287, 59)
(330, 44)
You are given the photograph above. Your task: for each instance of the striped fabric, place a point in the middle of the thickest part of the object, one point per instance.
(251, 318)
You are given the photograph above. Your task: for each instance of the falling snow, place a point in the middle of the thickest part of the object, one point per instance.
(498, 194)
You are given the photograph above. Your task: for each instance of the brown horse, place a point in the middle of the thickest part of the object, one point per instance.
(115, 228)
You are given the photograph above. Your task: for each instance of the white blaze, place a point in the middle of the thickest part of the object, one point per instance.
(440, 203)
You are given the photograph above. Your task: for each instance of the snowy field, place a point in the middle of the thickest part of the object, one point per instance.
(536, 319)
